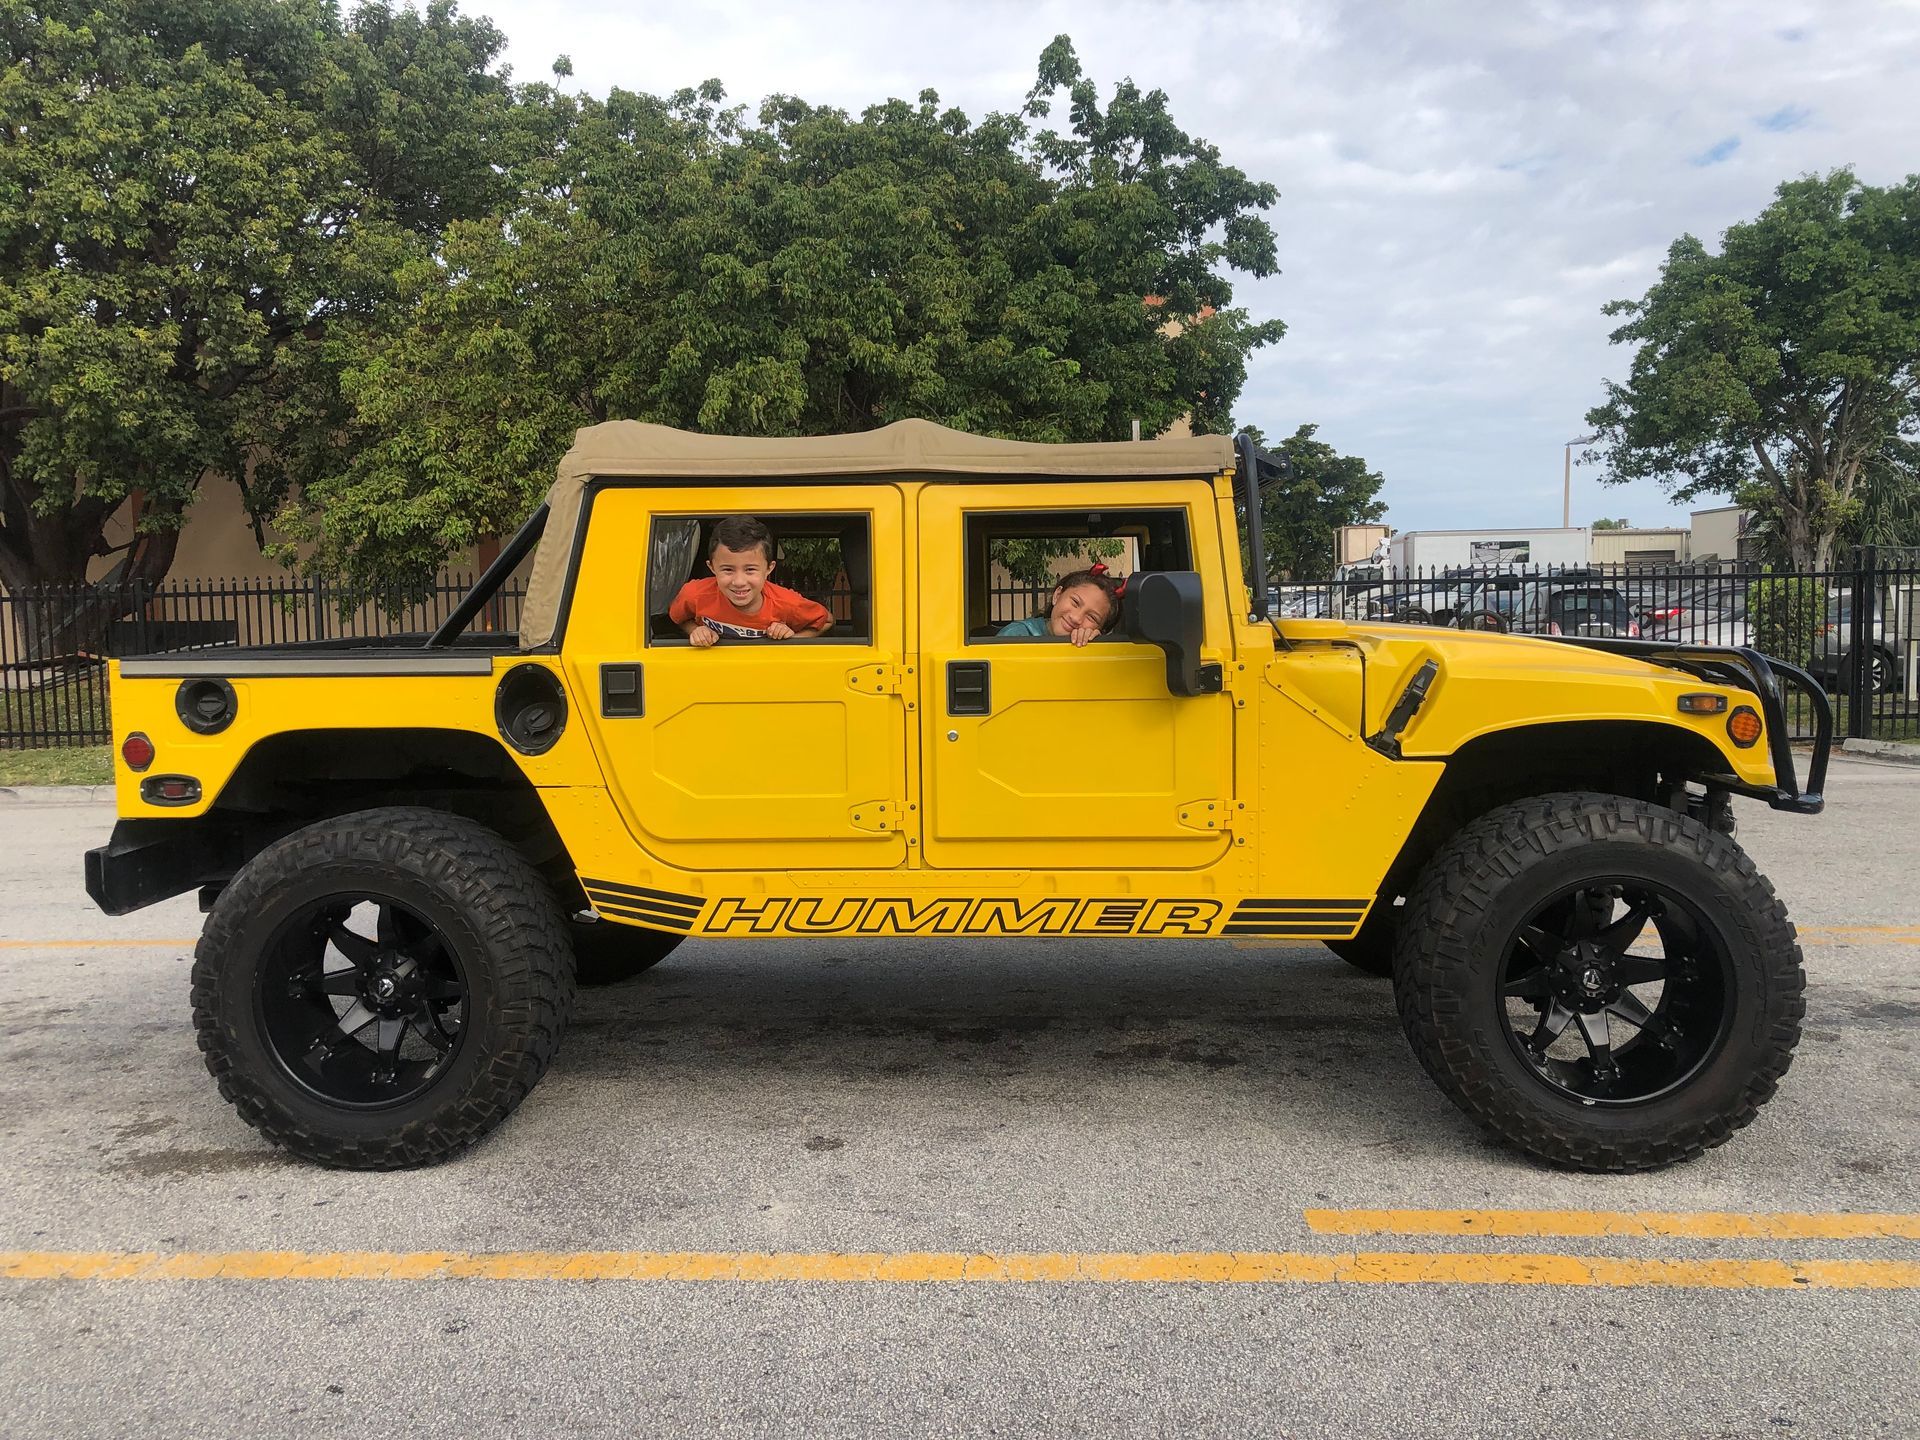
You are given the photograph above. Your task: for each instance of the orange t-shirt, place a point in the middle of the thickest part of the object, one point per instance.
(702, 600)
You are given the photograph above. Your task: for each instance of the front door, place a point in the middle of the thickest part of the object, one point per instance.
(751, 754)
(1041, 755)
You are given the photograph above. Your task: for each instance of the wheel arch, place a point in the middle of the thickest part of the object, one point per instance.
(294, 778)
(1638, 759)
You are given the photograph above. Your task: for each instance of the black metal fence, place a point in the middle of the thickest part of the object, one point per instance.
(55, 640)
(1866, 655)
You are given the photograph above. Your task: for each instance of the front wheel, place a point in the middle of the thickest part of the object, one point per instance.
(382, 989)
(1602, 982)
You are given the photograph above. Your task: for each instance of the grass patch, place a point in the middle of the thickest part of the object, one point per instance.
(63, 708)
(65, 765)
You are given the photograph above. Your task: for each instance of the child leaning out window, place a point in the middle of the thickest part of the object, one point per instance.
(1085, 604)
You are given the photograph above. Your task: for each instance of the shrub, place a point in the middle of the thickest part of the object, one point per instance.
(1787, 613)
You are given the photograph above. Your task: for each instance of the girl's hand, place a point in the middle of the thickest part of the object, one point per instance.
(700, 637)
(1084, 634)
(779, 630)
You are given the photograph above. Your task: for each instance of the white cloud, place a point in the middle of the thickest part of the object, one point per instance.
(1463, 185)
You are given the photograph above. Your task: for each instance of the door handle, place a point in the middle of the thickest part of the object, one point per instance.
(622, 696)
(967, 687)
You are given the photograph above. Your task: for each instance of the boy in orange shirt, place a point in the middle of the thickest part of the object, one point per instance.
(740, 599)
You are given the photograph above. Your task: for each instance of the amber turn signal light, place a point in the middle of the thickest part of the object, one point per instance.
(137, 751)
(1744, 726)
(1702, 704)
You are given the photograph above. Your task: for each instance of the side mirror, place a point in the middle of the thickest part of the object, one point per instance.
(1166, 608)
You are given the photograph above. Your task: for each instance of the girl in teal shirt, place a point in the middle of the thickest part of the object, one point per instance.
(1085, 605)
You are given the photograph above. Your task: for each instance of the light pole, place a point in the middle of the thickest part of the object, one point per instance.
(1566, 481)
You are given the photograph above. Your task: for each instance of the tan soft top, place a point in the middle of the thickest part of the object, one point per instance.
(635, 450)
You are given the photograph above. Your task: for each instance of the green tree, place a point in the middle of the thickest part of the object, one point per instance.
(799, 271)
(1779, 369)
(1605, 524)
(1323, 490)
(192, 193)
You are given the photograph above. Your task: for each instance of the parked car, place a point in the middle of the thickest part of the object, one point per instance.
(1832, 662)
(1714, 613)
(1573, 605)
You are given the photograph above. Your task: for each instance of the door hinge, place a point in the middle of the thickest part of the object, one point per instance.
(879, 816)
(875, 679)
(1213, 814)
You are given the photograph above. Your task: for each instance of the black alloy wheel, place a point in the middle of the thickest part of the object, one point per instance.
(382, 989)
(361, 1000)
(1615, 992)
(1604, 982)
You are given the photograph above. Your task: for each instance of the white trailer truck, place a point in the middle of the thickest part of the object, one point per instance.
(1423, 554)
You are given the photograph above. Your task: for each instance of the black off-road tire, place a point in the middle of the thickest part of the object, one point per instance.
(490, 907)
(1371, 950)
(606, 952)
(1465, 912)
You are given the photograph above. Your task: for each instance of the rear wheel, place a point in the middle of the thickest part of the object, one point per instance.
(1603, 982)
(381, 989)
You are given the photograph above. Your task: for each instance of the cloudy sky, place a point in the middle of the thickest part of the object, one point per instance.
(1461, 185)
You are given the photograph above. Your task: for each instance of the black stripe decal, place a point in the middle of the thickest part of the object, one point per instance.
(1280, 917)
(652, 907)
(1304, 904)
(1308, 932)
(665, 922)
(693, 902)
(641, 890)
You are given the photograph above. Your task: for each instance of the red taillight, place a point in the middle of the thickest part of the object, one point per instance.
(1553, 627)
(1672, 612)
(1633, 630)
(137, 751)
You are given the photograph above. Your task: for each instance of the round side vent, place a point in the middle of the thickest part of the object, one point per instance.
(530, 708)
(206, 706)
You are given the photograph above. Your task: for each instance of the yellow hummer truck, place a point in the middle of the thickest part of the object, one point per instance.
(409, 851)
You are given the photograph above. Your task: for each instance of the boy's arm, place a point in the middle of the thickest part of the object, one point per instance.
(682, 613)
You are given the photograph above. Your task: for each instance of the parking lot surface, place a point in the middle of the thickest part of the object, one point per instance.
(982, 1188)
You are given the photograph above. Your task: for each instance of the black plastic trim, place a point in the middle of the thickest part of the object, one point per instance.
(623, 692)
(147, 861)
(189, 713)
(969, 687)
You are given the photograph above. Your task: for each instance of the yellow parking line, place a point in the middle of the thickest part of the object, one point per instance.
(1630, 1224)
(949, 1268)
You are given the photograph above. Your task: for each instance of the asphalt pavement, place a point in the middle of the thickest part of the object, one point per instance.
(912, 1100)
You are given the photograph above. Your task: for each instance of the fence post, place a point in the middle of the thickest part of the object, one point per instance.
(1866, 592)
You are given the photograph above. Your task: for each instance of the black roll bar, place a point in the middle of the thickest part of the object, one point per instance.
(1251, 457)
(511, 554)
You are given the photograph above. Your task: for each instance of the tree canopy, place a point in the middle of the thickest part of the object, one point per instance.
(1323, 490)
(1782, 371)
(349, 266)
(193, 194)
(797, 271)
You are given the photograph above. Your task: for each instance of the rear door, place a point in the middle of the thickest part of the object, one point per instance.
(1040, 755)
(753, 754)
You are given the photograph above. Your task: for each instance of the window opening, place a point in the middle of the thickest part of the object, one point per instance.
(1014, 559)
(827, 558)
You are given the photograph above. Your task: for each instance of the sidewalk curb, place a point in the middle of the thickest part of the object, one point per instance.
(1883, 750)
(55, 794)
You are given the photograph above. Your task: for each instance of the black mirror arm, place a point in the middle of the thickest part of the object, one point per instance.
(1251, 458)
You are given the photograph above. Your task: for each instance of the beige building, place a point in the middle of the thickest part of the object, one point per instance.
(1641, 547)
(1719, 533)
(218, 541)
